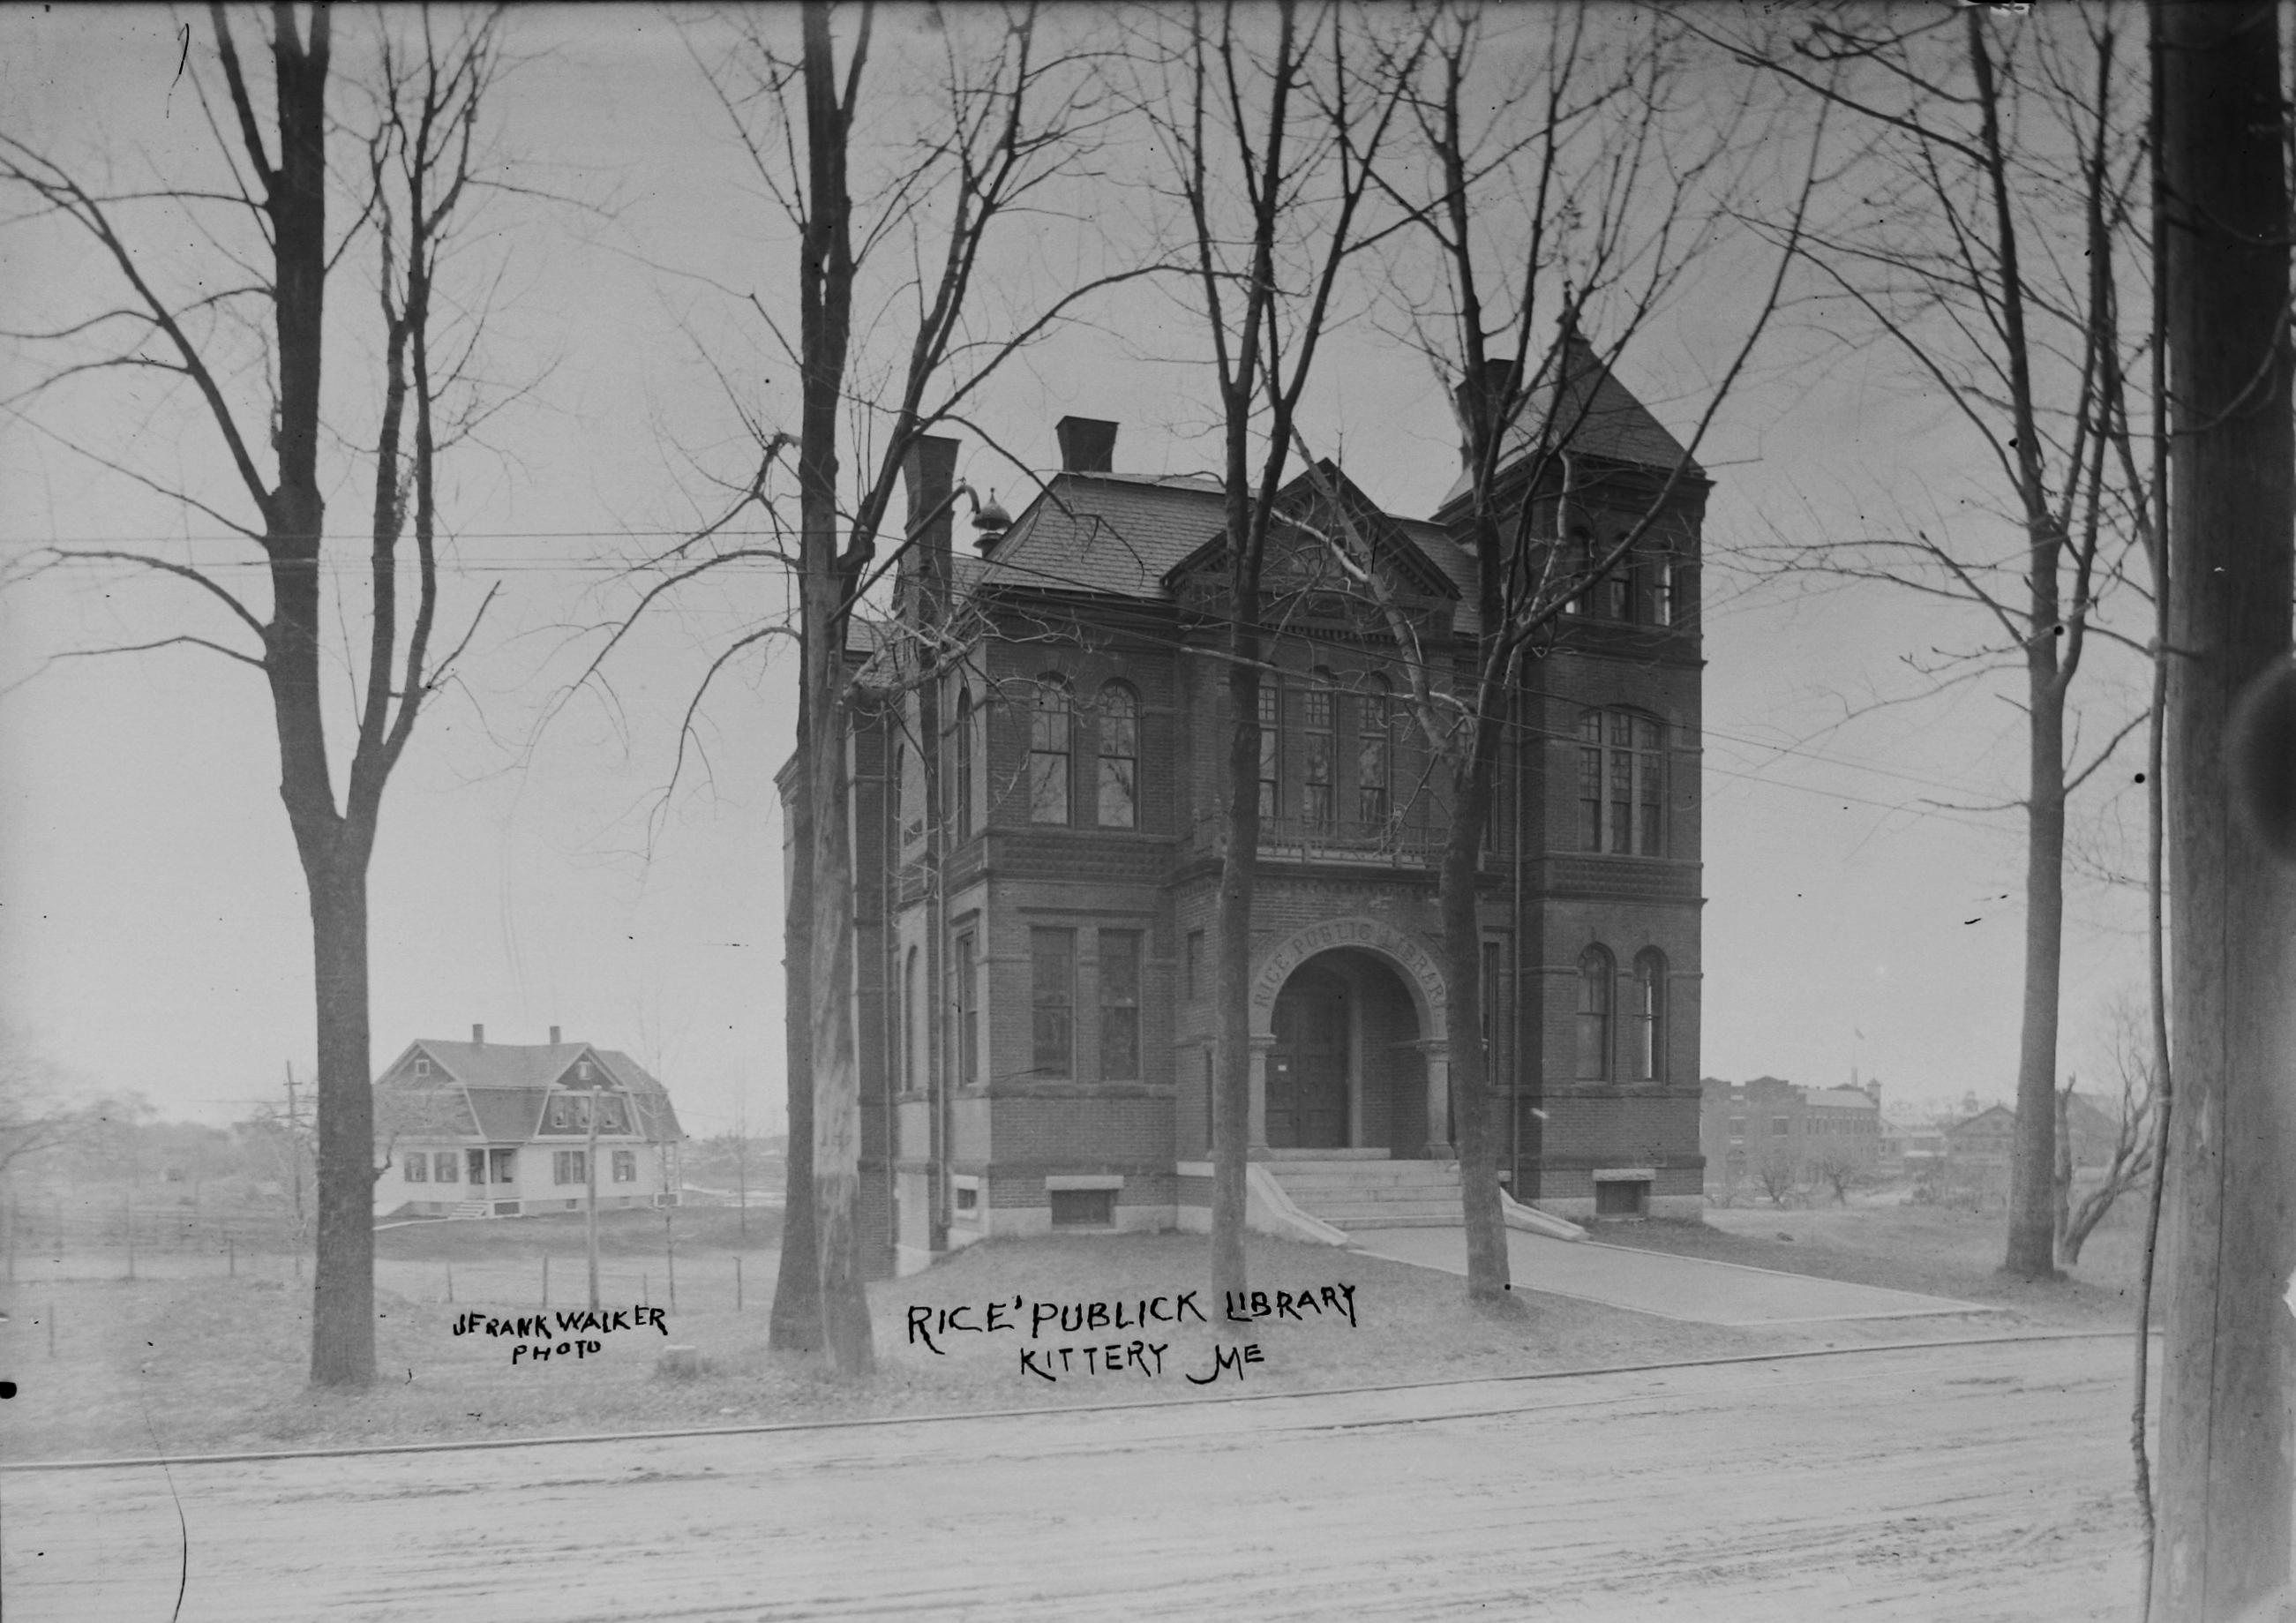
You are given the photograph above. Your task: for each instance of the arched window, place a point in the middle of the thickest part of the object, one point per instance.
(1120, 756)
(1621, 784)
(1048, 751)
(1596, 973)
(960, 788)
(1319, 760)
(1650, 1016)
(1271, 746)
(1375, 751)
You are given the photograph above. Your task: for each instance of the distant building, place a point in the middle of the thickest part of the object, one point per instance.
(1743, 1125)
(481, 1129)
(1988, 1138)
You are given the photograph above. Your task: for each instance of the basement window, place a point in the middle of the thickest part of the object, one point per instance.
(967, 1199)
(1622, 1198)
(1083, 1208)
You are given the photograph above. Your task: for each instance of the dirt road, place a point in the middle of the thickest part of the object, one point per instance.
(1960, 1483)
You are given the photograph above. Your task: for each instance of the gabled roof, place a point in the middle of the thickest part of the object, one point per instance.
(1842, 1099)
(1597, 416)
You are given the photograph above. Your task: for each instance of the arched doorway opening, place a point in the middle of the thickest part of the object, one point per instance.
(1347, 1066)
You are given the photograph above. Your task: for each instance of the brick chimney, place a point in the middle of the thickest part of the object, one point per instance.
(553, 1036)
(929, 472)
(1087, 445)
(478, 1035)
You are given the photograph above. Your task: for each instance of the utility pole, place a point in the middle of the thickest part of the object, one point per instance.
(295, 1151)
(590, 1172)
(2229, 1353)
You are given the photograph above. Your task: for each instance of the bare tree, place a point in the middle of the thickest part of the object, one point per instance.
(2135, 1140)
(1995, 144)
(244, 333)
(37, 1114)
(1012, 113)
(1266, 126)
(1778, 1170)
(1839, 1168)
(1545, 169)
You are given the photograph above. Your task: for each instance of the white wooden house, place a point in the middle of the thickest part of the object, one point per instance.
(481, 1129)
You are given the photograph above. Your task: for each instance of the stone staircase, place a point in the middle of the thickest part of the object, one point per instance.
(1367, 1193)
(469, 1209)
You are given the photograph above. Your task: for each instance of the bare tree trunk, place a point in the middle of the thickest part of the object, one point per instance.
(795, 1325)
(827, 293)
(1232, 980)
(343, 1287)
(2230, 1354)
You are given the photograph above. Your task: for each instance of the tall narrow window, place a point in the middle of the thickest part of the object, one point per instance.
(968, 1013)
(960, 788)
(1375, 751)
(1650, 1016)
(1318, 766)
(1595, 972)
(1618, 594)
(1590, 781)
(1271, 746)
(1196, 965)
(1578, 571)
(1621, 784)
(1052, 998)
(1120, 756)
(1490, 999)
(1119, 1005)
(913, 1021)
(1048, 753)
(1662, 587)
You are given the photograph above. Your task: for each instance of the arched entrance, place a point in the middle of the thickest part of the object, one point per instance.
(1347, 1050)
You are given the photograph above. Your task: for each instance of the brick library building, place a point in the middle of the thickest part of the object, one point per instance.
(1037, 807)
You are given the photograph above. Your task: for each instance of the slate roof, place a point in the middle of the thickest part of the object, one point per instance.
(1598, 413)
(1113, 533)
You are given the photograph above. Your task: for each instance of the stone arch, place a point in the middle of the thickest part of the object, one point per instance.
(1415, 966)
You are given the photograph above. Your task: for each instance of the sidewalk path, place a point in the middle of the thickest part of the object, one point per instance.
(1691, 1288)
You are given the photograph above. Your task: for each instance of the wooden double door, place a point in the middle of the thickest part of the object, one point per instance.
(1307, 1067)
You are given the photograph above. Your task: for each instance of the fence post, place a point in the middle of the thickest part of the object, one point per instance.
(450, 1282)
(669, 1248)
(737, 1283)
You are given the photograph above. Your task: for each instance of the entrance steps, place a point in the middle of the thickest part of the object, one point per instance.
(467, 1208)
(1367, 1193)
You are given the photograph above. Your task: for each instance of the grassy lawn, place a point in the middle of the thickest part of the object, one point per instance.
(1928, 1248)
(176, 1365)
(179, 1365)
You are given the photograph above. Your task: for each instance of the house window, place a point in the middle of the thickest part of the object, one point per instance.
(960, 787)
(1051, 997)
(570, 1166)
(1317, 790)
(1594, 979)
(1649, 1015)
(1194, 966)
(1737, 1127)
(1048, 751)
(1779, 1127)
(1083, 1207)
(1375, 751)
(1119, 1005)
(445, 1168)
(913, 1024)
(1662, 587)
(968, 1014)
(626, 1166)
(968, 1197)
(583, 1071)
(1621, 784)
(421, 1068)
(1577, 571)
(417, 1169)
(1618, 594)
(1120, 756)
(505, 1165)
(560, 1115)
(1271, 746)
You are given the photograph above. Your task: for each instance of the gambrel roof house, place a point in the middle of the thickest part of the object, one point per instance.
(460, 1113)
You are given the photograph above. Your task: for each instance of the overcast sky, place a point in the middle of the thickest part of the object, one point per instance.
(153, 933)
